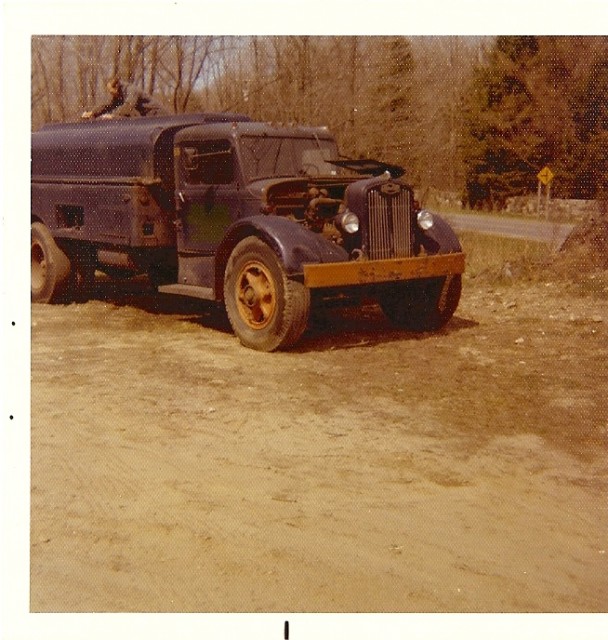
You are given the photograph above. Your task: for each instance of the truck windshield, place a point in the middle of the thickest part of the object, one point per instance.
(272, 157)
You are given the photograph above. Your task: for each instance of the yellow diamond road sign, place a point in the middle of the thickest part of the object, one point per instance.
(545, 175)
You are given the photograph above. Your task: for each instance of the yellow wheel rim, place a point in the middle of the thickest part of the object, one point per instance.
(256, 295)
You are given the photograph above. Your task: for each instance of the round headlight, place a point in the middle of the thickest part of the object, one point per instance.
(425, 219)
(348, 222)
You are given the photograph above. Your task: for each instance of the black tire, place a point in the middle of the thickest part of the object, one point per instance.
(51, 267)
(422, 305)
(266, 309)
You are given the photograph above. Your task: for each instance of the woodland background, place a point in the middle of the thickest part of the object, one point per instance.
(475, 117)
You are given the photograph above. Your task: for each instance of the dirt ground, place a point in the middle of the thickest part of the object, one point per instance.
(368, 469)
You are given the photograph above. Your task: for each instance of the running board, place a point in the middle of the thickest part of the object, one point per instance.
(188, 290)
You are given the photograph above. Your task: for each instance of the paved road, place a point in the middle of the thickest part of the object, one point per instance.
(553, 233)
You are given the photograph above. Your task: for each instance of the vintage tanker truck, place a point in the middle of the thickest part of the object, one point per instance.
(265, 219)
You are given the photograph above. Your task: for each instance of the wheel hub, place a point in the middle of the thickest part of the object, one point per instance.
(250, 297)
(256, 296)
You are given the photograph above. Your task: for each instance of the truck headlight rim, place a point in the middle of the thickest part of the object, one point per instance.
(425, 219)
(348, 222)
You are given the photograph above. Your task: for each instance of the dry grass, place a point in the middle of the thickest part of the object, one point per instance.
(501, 259)
(504, 261)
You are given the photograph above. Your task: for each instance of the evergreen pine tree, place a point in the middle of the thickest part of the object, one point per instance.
(503, 147)
(538, 101)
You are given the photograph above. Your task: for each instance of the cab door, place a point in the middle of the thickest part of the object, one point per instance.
(207, 201)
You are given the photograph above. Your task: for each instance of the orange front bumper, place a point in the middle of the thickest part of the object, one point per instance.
(340, 274)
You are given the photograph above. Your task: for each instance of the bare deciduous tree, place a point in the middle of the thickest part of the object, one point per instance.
(400, 98)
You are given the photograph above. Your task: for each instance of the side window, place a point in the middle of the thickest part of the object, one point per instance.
(208, 162)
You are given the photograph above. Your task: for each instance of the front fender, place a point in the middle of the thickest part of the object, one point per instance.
(440, 238)
(294, 244)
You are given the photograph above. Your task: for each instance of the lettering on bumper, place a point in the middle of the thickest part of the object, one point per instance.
(338, 274)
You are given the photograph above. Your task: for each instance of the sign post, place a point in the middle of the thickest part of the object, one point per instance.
(545, 177)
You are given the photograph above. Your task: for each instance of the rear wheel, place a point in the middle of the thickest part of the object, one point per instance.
(422, 305)
(51, 268)
(266, 309)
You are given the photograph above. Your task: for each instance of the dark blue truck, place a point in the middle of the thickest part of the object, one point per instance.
(265, 219)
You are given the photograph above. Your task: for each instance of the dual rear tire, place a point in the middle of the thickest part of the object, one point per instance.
(55, 276)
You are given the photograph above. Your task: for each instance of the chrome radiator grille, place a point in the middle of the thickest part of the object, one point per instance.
(389, 225)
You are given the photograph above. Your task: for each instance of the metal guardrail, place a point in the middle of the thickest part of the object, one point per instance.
(553, 233)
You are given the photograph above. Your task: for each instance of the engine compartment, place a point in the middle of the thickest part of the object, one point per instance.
(315, 203)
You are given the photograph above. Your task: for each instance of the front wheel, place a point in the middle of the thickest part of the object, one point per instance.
(266, 309)
(422, 305)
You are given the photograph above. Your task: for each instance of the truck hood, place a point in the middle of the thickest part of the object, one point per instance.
(369, 167)
(298, 185)
(262, 188)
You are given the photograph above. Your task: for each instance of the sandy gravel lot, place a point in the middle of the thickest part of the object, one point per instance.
(367, 470)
